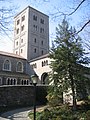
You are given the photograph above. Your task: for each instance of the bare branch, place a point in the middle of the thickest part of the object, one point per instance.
(84, 26)
(77, 7)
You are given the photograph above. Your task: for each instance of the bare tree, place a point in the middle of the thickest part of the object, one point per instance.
(6, 17)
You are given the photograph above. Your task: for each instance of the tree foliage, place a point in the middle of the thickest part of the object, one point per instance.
(68, 59)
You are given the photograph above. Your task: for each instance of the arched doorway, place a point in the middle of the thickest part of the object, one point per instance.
(44, 78)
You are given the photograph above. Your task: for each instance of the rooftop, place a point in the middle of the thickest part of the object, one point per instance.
(11, 55)
(30, 8)
(41, 57)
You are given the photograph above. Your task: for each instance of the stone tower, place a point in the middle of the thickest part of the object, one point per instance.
(31, 33)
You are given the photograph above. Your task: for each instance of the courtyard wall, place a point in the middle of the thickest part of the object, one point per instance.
(16, 96)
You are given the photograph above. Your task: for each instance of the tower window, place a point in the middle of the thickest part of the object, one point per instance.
(23, 18)
(35, 18)
(18, 21)
(16, 52)
(35, 27)
(42, 21)
(42, 52)
(16, 43)
(35, 40)
(21, 50)
(41, 30)
(21, 40)
(35, 50)
(22, 28)
(42, 42)
(17, 31)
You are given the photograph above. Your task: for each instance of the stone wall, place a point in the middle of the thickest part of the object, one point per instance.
(11, 96)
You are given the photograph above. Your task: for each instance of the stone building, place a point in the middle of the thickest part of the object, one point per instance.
(31, 33)
(30, 52)
(14, 69)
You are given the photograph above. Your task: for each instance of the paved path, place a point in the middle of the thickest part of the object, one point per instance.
(18, 114)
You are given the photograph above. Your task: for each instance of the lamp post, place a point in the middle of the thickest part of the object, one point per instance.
(34, 79)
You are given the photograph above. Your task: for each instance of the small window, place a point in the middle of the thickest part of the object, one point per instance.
(34, 65)
(23, 18)
(21, 50)
(41, 30)
(42, 42)
(18, 21)
(42, 52)
(17, 31)
(35, 50)
(35, 27)
(0, 81)
(35, 18)
(22, 28)
(21, 40)
(19, 67)
(42, 21)
(7, 65)
(35, 40)
(16, 52)
(17, 43)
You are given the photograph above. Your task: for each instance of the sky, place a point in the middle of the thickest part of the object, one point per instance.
(49, 7)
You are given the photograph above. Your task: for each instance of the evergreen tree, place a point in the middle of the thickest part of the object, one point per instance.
(68, 58)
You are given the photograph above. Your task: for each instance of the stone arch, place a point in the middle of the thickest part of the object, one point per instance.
(44, 78)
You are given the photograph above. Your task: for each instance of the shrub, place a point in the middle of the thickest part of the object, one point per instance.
(88, 115)
(63, 112)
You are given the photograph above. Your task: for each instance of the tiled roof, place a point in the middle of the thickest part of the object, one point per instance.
(11, 54)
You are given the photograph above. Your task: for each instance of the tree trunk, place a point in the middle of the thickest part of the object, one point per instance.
(73, 94)
(73, 91)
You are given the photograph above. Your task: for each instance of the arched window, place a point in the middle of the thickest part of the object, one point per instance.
(0, 81)
(24, 82)
(11, 81)
(44, 78)
(8, 81)
(19, 67)
(7, 65)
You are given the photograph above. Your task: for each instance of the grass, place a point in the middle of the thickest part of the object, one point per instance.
(38, 112)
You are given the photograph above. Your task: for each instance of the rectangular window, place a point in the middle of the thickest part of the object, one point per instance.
(17, 31)
(42, 21)
(35, 18)
(17, 43)
(18, 21)
(42, 52)
(35, 27)
(16, 52)
(41, 30)
(21, 50)
(42, 42)
(35, 50)
(21, 40)
(22, 28)
(35, 40)
(23, 18)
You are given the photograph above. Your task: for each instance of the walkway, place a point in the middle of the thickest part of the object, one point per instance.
(18, 114)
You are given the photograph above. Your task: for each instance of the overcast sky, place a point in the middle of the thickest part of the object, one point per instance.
(48, 7)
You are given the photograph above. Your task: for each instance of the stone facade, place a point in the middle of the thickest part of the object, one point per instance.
(31, 33)
(41, 66)
(14, 70)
